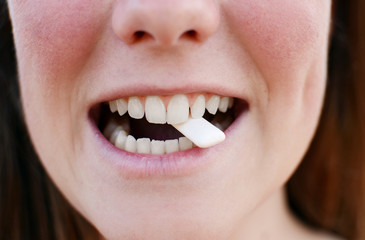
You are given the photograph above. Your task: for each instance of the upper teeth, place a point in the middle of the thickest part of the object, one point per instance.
(177, 110)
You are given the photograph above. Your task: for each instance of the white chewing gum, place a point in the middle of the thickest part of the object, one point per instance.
(201, 132)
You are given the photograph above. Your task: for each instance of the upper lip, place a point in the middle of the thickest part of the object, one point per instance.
(150, 88)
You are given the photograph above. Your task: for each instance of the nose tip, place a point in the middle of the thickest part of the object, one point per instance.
(165, 22)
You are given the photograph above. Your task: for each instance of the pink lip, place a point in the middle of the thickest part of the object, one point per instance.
(143, 89)
(184, 163)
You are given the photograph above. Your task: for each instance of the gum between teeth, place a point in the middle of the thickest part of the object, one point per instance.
(177, 110)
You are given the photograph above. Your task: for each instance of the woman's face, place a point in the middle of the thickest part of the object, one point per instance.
(76, 55)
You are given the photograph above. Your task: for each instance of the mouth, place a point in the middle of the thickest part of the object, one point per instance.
(148, 124)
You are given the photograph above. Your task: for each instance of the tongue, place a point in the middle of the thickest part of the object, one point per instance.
(140, 128)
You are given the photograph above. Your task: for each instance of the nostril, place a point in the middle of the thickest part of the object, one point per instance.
(141, 35)
(192, 34)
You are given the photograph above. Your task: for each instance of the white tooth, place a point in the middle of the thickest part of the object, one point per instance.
(171, 145)
(223, 104)
(135, 108)
(121, 139)
(212, 104)
(185, 144)
(158, 147)
(144, 145)
(201, 132)
(130, 144)
(230, 102)
(155, 110)
(113, 106)
(178, 109)
(114, 135)
(198, 108)
(122, 106)
(109, 129)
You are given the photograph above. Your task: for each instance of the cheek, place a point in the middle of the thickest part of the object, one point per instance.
(287, 40)
(280, 30)
(53, 40)
(54, 36)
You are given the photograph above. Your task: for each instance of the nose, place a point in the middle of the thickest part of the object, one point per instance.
(165, 22)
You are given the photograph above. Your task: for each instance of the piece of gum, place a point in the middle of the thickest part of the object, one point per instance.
(201, 132)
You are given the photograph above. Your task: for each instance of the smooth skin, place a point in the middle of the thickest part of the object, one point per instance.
(72, 54)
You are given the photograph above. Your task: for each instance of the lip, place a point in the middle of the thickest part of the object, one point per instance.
(144, 89)
(182, 163)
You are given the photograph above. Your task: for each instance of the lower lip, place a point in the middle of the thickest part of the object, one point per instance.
(182, 163)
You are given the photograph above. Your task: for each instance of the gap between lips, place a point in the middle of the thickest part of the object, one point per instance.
(143, 124)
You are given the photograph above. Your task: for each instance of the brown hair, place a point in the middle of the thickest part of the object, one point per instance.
(327, 191)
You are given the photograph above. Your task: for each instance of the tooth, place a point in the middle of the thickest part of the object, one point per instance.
(114, 135)
(130, 144)
(122, 106)
(178, 109)
(212, 104)
(223, 104)
(109, 129)
(144, 145)
(198, 108)
(158, 147)
(185, 144)
(113, 106)
(230, 102)
(201, 132)
(155, 110)
(121, 139)
(135, 108)
(171, 145)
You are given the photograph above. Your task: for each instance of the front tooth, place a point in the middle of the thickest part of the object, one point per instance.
(223, 104)
(171, 145)
(130, 144)
(158, 147)
(113, 106)
(135, 108)
(185, 144)
(212, 104)
(144, 145)
(122, 106)
(198, 108)
(121, 139)
(178, 109)
(155, 110)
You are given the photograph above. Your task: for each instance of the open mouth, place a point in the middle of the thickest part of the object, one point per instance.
(148, 124)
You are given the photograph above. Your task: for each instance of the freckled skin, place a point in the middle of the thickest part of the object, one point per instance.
(272, 53)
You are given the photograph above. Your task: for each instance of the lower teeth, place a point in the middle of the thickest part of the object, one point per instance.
(122, 140)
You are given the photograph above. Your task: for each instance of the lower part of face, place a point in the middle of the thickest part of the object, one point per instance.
(270, 56)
